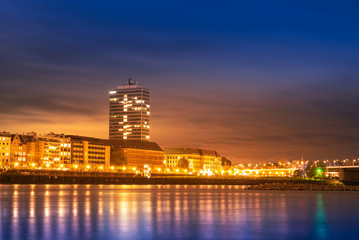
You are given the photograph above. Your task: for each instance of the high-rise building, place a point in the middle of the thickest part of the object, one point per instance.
(130, 112)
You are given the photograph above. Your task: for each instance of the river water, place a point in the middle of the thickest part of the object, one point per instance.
(174, 212)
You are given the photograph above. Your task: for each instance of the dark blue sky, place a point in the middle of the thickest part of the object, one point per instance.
(255, 80)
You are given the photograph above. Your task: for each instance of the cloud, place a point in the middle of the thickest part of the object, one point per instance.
(315, 126)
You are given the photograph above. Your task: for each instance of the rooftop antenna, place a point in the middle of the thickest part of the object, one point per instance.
(130, 82)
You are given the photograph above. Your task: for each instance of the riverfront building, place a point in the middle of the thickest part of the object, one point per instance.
(136, 154)
(54, 150)
(130, 112)
(5, 147)
(89, 151)
(21, 148)
(48, 151)
(198, 159)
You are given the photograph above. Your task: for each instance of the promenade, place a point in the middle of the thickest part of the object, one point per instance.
(77, 177)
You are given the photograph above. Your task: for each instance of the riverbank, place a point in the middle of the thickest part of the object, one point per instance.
(55, 177)
(304, 187)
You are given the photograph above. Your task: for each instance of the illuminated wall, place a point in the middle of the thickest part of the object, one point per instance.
(5, 148)
(198, 159)
(140, 157)
(86, 152)
(48, 151)
(18, 149)
(194, 160)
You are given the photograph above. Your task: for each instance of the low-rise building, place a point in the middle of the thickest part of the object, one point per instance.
(21, 150)
(211, 160)
(192, 155)
(48, 151)
(65, 146)
(5, 147)
(89, 151)
(135, 153)
(198, 159)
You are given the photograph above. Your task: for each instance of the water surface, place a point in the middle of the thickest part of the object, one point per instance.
(174, 212)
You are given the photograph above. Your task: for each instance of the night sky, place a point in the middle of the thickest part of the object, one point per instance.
(254, 80)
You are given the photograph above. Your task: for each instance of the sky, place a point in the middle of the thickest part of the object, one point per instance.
(255, 80)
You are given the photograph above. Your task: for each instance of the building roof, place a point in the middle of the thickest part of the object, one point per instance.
(135, 144)
(4, 134)
(83, 138)
(211, 153)
(192, 151)
(24, 138)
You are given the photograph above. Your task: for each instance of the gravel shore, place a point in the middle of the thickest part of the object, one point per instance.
(304, 187)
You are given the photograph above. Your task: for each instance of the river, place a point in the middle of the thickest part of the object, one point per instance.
(174, 212)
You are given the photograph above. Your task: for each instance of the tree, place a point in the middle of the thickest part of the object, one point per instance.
(182, 163)
(310, 170)
(118, 157)
(226, 162)
(314, 170)
(298, 173)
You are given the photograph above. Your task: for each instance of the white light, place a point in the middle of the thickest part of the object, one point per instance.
(112, 92)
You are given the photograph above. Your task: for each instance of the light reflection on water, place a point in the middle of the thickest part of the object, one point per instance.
(173, 212)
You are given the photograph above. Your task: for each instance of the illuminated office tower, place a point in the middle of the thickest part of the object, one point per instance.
(130, 112)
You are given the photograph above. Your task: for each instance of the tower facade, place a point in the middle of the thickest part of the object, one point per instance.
(130, 112)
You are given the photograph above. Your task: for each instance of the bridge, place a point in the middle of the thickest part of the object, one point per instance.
(346, 174)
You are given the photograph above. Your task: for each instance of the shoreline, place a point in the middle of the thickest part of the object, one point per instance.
(52, 177)
(303, 187)
(278, 184)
